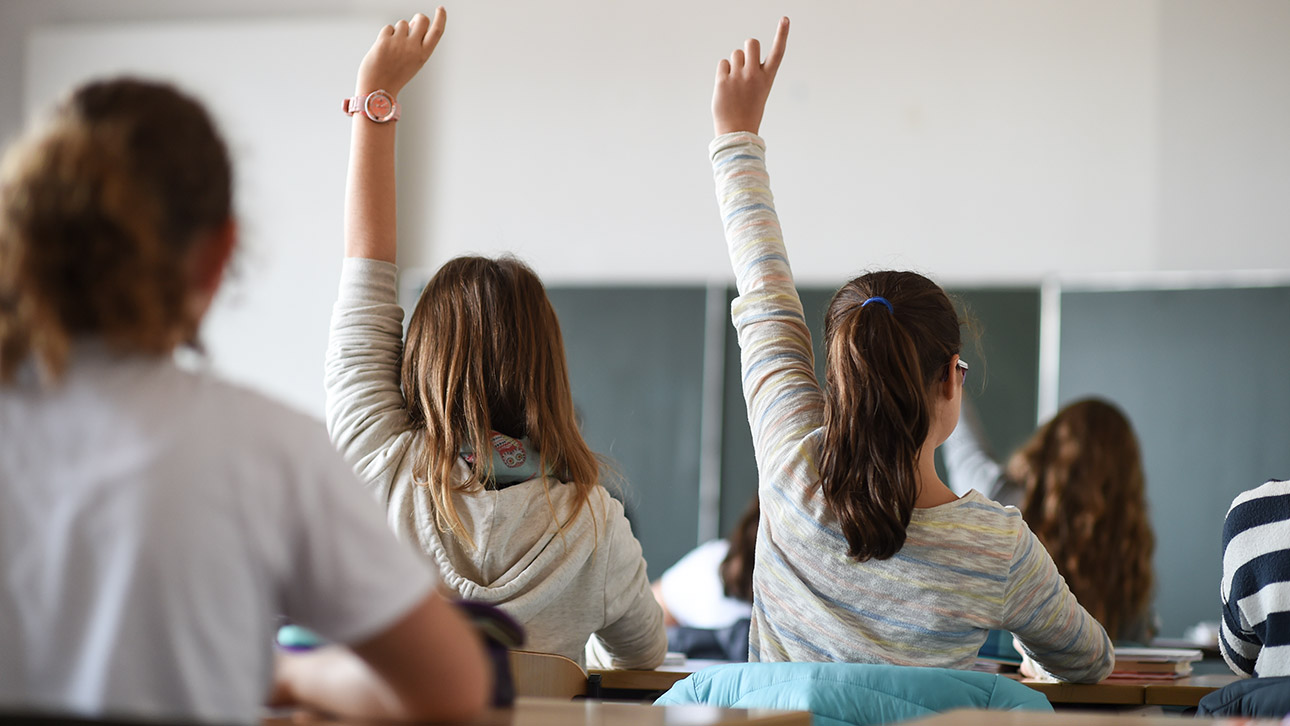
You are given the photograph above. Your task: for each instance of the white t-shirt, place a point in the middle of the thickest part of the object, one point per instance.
(693, 591)
(154, 523)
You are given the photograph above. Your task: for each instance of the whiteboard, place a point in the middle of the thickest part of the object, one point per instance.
(268, 326)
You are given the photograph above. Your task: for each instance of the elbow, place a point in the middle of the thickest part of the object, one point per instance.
(1101, 667)
(650, 657)
(463, 696)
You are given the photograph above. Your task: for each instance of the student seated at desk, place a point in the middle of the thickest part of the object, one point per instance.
(466, 431)
(863, 554)
(1079, 484)
(707, 595)
(1255, 631)
(155, 520)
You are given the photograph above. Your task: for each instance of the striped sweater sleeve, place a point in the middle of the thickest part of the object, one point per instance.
(1052, 627)
(1255, 630)
(777, 366)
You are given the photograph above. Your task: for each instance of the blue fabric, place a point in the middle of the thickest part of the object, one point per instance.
(852, 694)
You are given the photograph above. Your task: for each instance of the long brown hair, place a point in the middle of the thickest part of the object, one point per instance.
(883, 359)
(1085, 499)
(484, 353)
(100, 207)
(737, 567)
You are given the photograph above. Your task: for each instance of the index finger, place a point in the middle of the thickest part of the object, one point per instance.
(777, 47)
(436, 29)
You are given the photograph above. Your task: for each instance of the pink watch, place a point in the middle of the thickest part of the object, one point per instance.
(377, 105)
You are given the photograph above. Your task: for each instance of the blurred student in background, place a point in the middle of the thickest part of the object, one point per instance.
(1079, 484)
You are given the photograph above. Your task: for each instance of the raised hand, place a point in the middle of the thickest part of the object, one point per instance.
(743, 84)
(399, 52)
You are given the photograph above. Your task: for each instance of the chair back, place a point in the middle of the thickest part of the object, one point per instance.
(546, 675)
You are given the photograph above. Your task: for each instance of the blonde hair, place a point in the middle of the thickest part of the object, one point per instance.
(484, 353)
(1085, 499)
(99, 208)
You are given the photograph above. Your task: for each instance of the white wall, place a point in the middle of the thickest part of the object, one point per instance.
(998, 140)
(978, 140)
(287, 137)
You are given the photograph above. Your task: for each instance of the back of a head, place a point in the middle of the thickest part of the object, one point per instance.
(1085, 499)
(889, 337)
(484, 353)
(99, 208)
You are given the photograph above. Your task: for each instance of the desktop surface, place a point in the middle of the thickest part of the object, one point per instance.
(554, 712)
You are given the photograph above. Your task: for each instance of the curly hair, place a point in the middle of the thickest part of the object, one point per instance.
(99, 209)
(1084, 497)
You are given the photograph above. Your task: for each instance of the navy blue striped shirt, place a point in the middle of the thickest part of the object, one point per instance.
(1255, 633)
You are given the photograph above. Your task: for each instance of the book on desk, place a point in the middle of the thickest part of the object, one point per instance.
(1154, 663)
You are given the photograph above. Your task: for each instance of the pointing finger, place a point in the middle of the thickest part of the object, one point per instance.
(777, 47)
(436, 29)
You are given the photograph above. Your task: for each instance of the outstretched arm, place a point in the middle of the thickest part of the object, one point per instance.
(784, 399)
(365, 406)
(370, 214)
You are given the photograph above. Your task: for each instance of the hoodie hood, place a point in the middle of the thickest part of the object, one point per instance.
(520, 557)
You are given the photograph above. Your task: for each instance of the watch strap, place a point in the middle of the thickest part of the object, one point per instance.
(358, 104)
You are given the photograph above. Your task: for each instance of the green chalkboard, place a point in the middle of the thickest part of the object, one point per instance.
(1202, 374)
(636, 364)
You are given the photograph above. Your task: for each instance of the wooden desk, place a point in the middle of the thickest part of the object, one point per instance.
(552, 712)
(1184, 692)
(1066, 718)
(659, 679)
(1089, 694)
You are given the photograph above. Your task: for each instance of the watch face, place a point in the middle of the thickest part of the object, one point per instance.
(379, 106)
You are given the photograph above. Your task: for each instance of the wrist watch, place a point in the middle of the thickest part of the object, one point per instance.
(377, 105)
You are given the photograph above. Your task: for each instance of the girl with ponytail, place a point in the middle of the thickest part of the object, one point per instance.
(863, 554)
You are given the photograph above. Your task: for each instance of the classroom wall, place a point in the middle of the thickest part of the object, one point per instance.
(993, 141)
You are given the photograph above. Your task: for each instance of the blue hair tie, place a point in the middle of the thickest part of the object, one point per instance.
(882, 300)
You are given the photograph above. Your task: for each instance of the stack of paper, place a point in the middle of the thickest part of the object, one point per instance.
(1154, 663)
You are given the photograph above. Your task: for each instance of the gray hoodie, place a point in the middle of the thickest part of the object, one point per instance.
(562, 586)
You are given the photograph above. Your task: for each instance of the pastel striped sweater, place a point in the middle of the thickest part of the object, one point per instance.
(966, 567)
(1255, 634)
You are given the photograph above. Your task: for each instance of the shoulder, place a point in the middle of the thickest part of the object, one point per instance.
(974, 509)
(1263, 505)
(705, 558)
(230, 427)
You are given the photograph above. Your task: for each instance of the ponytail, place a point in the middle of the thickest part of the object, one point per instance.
(882, 361)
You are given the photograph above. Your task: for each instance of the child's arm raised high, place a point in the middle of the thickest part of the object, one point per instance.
(399, 52)
(365, 405)
(784, 399)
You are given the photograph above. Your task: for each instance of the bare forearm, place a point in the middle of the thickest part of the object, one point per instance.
(394, 59)
(370, 210)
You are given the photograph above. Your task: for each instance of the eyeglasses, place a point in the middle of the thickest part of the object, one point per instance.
(962, 368)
